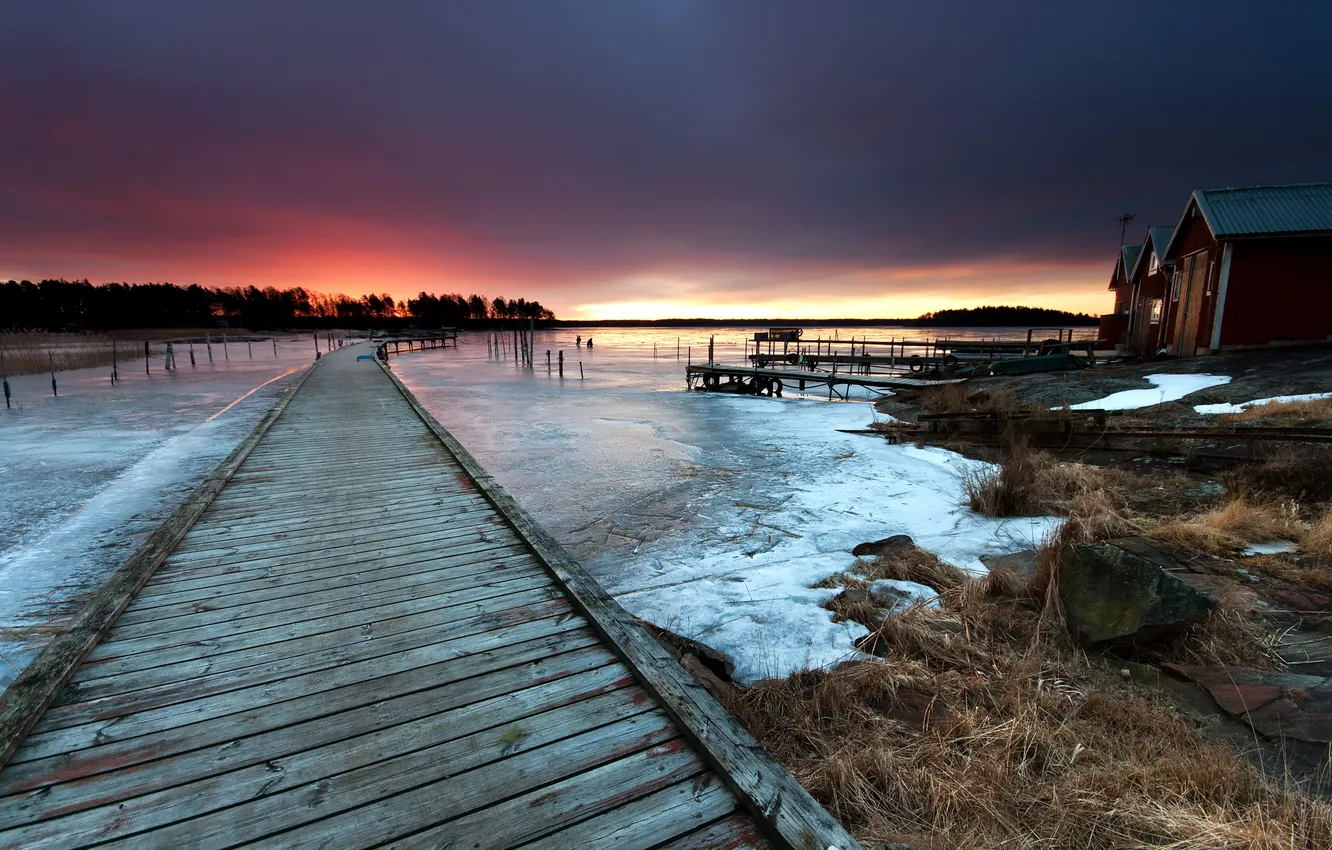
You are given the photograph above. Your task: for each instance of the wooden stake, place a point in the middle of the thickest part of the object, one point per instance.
(146, 355)
(226, 355)
(4, 378)
(580, 370)
(51, 358)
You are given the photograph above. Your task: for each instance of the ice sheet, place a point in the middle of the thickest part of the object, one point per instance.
(1168, 388)
(86, 476)
(707, 514)
(1212, 409)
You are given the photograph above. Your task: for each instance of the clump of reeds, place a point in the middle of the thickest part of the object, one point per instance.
(987, 727)
(30, 353)
(911, 563)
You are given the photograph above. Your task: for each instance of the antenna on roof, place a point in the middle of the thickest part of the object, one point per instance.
(1123, 224)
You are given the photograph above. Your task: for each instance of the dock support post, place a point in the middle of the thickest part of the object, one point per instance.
(208, 341)
(226, 355)
(561, 364)
(4, 378)
(547, 361)
(249, 346)
(146, 356)
(580, 370)
(275, 346)
(192, 363)
(115, 371)
(50, 356)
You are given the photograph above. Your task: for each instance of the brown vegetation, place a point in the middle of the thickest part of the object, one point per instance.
(1299, 472)
(987, 727)
(1313, 412)
(911, 563)
(1225, 531)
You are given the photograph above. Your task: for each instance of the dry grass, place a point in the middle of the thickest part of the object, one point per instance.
(956, 398)
(1299, 472)
(35, 352)
(1027, 482)
(1226, 530)
(1312, 412)
(1233, 635)
(1318, 539)
(988, 728)
(911, 563)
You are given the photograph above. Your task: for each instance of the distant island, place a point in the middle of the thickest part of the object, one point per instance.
(973, 317)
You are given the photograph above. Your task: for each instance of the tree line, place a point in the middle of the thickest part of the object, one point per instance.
(79, 305)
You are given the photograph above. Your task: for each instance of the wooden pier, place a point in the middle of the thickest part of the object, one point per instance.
(350, 636)
(748, 380)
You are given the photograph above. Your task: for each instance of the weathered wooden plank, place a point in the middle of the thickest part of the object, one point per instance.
(304, 570)
(254, 736)
(359, 674)
(642, 745)
(311, 564)
(208, 532)
(126, 642)
(339, 775)
(647, 821)
(204, 613)
(737, 832)
(787, 813)
(292, 508)
(425, 528)
(141, 689)
(226, 641)
(29, 694)
(557, 804)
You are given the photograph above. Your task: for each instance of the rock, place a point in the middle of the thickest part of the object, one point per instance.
(876, 548)
(1021, 563)
(1288, 705)
(1113, 595)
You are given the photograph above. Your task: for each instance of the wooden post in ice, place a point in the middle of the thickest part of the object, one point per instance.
(547, 361)
(274, 340)
(4, 378)
(711, 340)
(580, 370)
(208, 341)
(191, 354)
(226, 354)
(249, 346)
(146, 355)
(677, 348)
(561, 364)
(115, 373)
(168, 358)
(51, 358)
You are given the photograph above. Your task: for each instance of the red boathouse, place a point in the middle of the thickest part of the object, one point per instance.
(1252, 266)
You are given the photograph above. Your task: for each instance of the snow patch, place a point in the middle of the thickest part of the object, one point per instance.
(1276, 547)
(1168, 388)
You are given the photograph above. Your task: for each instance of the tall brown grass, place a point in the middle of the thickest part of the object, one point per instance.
(1284, 413)
(30, 353)
(987, 727)
(1225, 531)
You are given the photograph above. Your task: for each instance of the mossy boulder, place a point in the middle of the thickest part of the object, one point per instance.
(1114, 596)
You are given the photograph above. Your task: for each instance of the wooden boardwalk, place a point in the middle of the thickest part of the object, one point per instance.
(358, 640)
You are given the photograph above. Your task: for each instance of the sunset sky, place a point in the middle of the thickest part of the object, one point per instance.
(627, 159)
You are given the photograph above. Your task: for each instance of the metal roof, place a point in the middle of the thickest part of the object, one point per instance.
(1128, 254)
(1159, 237)
(1262, 210)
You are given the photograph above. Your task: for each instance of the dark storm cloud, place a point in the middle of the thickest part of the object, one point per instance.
(612, 137)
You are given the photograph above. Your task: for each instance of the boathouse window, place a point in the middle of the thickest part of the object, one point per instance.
(1156, 311)
(1174, 291)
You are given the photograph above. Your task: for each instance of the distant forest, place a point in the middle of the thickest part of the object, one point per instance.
(78, 305)
(981, 317)
(975, 317)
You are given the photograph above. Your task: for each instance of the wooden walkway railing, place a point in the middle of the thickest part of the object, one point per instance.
(350, 636)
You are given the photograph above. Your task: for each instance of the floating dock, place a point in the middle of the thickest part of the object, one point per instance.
(351, 636)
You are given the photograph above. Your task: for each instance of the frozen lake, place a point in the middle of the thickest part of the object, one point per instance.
(86, 476)
(708, 514)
